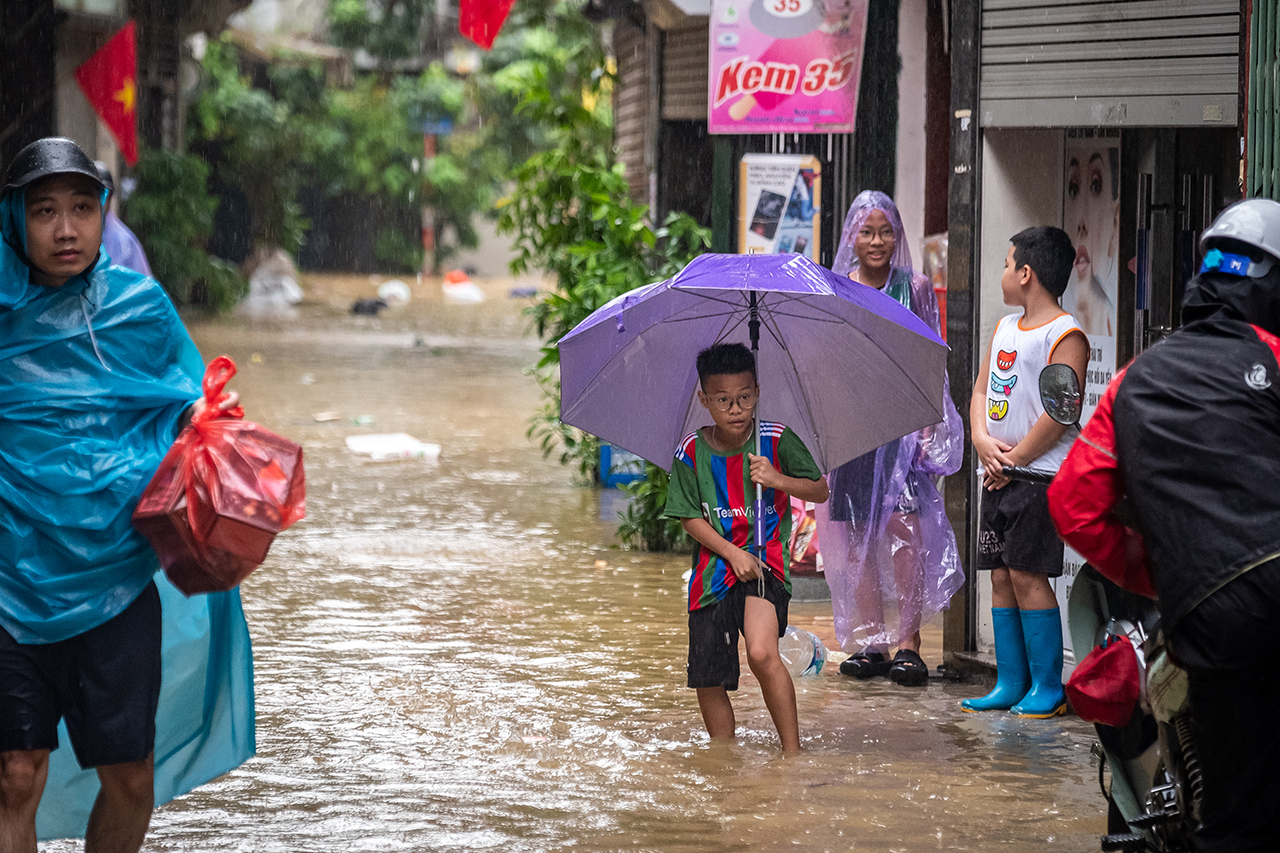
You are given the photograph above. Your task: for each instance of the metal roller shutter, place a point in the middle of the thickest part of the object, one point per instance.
(1155, 63)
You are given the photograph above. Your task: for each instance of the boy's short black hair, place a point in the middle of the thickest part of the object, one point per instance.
(723, 360)
(1049, 253)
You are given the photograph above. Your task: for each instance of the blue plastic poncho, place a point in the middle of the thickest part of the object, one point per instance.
(94, 376)
(888, 550)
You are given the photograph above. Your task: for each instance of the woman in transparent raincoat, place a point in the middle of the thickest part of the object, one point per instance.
(888, 551)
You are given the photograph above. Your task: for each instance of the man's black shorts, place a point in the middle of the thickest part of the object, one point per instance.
(1015, 530)
(714, 630)
(106, 682)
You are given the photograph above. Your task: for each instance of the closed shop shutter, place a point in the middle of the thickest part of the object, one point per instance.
(1062, 63)
(631, 105)
(685, 52)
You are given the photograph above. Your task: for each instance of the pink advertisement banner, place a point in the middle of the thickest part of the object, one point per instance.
(785, 66)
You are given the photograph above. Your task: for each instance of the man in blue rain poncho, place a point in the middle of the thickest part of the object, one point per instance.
(97, 374)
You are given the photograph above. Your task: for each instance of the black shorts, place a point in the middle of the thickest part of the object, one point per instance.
(1015, 530)
(106, 682)
(714, 630)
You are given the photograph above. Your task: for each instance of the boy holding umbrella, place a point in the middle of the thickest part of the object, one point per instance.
(734, 590)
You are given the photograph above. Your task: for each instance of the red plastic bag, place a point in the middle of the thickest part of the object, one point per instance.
(1104, 687)
(221, 494)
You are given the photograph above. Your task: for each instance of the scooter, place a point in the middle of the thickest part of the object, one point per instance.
(1148, 770)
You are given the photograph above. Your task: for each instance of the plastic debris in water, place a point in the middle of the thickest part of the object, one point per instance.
(393, 445)
(368, 307)
(802, 651)
(459, 288)
(394, 292)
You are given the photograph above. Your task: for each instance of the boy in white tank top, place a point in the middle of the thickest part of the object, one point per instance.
(1016, 538)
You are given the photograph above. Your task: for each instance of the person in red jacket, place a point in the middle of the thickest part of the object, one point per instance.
(1189, 435)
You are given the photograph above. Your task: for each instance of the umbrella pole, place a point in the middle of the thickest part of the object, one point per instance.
(753, 329)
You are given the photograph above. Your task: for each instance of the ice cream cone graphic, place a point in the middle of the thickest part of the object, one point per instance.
(741, 107)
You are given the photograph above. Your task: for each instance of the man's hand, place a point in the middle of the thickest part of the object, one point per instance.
(744, 564)
(992, 452)
(994, 482)
(763, 472)
(229, 400)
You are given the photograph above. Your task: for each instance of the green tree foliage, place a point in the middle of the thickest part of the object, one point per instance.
(572, 217)
(249, 138)
(172, 212)
(387, 29)
(364, 142)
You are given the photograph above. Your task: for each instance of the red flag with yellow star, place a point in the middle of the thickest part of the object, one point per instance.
(480, 20)
(109, 81)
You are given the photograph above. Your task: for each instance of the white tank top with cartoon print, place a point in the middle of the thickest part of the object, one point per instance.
(1013, 384)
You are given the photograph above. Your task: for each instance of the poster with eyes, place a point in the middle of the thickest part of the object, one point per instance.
(785, 66)
(1091, 217)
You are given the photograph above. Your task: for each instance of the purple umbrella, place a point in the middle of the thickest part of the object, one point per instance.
(845, 366)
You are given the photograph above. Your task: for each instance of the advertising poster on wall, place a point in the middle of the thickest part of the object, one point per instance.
(779, 204)
(1091, 216)
(785, 66)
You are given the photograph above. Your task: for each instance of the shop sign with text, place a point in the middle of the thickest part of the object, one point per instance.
(785, 66)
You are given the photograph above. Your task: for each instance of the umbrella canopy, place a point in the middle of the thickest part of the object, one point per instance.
(845, 366)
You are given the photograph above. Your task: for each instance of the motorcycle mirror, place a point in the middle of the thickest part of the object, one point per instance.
(1060, 394)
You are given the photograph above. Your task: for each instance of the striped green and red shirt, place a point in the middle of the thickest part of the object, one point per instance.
(717, 487)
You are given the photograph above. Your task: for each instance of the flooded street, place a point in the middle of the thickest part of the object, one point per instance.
(454, 656)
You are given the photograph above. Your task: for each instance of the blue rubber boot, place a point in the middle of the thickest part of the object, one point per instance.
(1012, 676)
(1042, 631)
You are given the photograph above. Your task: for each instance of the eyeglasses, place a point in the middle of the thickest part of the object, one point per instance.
(745, 402)
(886, 234)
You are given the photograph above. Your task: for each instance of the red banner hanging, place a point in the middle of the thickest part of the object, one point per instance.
(480, 20)
(109, 82)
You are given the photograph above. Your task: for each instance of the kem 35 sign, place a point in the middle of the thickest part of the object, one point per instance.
(788, 66)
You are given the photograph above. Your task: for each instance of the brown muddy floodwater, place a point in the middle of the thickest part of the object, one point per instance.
(455, 657)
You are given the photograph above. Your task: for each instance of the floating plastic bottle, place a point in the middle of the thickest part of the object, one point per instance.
(802, 651)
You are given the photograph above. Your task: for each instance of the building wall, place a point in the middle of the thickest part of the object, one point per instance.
(78, 39)
(631, 105)
(909, 179)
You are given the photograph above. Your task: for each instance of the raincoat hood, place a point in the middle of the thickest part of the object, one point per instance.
(866, 201)
(1250, 300)
(16, 287)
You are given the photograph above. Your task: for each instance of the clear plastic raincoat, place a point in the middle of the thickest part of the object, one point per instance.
(888, 551)
(94, 376)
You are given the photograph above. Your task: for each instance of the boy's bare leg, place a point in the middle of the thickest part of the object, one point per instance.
(1002, 593)
(1032, 590)
(717, 712)
(122, 812)
(22, 777)
(760, 627)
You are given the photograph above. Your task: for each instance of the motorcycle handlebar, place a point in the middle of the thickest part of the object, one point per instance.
(1029, 475)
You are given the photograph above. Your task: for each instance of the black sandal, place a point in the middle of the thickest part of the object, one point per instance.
(908, 669)
(865, 664)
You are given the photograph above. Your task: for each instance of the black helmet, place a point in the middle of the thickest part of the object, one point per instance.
(53, 155)
(1244, 240)
(104, 172)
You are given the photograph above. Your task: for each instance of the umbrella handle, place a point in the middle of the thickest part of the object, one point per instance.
(759, 525)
